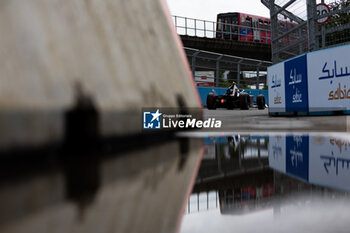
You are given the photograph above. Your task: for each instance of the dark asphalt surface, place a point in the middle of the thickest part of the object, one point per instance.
(255, 120)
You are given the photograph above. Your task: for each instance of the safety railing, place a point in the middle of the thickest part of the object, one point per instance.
(209, 29)
(204, 201)
(300, 26)
(220, 70)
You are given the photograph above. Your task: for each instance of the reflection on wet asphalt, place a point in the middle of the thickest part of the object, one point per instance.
(255, 120)
(134, 190)
(271, 183)
(221, 182)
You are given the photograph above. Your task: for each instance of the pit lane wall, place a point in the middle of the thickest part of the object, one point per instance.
(311, 84)
(204, 91)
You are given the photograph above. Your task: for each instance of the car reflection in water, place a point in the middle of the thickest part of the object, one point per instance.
(279, 183)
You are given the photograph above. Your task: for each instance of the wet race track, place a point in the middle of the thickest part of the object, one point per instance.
(271, 174)
(256, 173)
(102, 128)
(255, 120)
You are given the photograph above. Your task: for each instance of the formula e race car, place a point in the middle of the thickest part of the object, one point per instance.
(230, 101)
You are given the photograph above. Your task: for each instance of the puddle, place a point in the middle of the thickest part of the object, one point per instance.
(199, 182)
(273, 182)
(142, 189)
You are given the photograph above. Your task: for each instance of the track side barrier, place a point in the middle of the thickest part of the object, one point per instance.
(75, 77)
(111, 57)
(316, 83)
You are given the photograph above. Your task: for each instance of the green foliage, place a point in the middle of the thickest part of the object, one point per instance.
(341, 18)
(243, 84)
(223, 82)
(338, 20)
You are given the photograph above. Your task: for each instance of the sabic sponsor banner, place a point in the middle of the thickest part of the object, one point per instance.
(290, 154)
(295, 74)
(319, 160)
(277, 153)
(275, 77)
(313, 82)
(329, 79)
(330, 159)
(297, 156)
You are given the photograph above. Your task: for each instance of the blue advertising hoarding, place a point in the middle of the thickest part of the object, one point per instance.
(297, 156)
(295, 77)
(320, 160)
(316, 82)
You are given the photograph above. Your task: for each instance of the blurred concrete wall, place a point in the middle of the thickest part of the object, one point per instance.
(119, 55)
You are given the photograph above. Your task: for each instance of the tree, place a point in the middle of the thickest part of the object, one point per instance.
(338, 21)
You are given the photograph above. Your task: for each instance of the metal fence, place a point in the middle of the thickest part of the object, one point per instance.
(220, 70)
(299, 26)
(337, 28)
(211, 29)
(203, 201)
(289, 35)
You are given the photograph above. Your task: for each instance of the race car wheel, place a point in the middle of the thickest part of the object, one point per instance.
(260, 101)
(244, 102)
(211, 102)
(251, 100)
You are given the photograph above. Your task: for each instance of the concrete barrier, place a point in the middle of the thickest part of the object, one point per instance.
(204, 91)
(112, 56)
(315, 83)
(75, 75)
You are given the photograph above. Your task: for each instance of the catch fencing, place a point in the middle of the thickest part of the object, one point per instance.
(220, 70)
(300, 26)
(210, 29)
